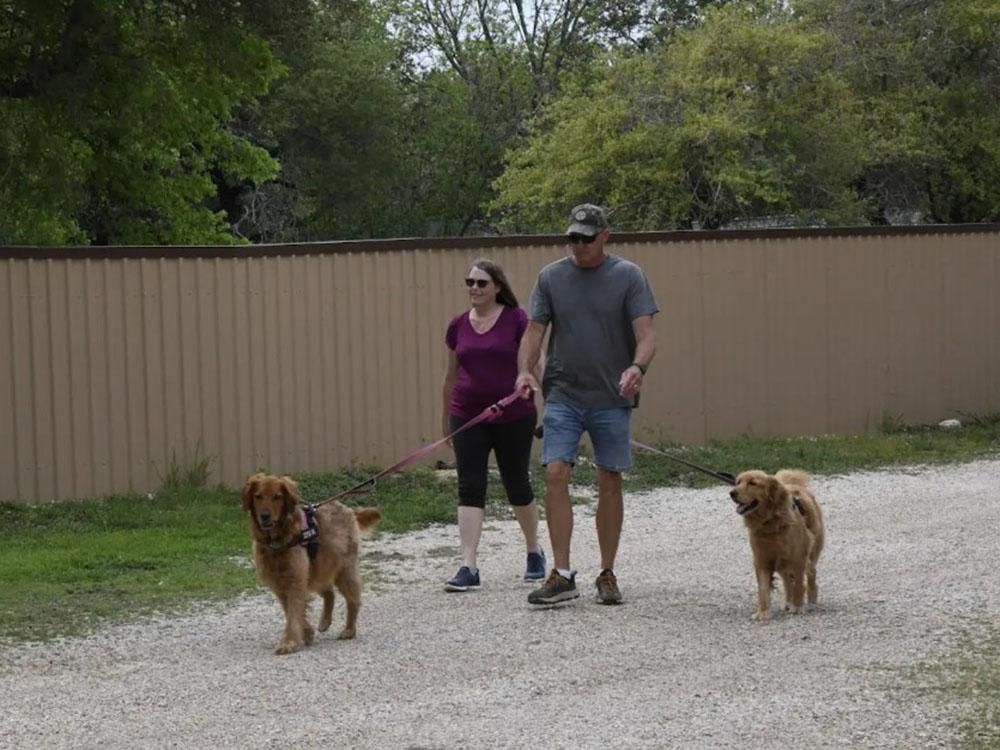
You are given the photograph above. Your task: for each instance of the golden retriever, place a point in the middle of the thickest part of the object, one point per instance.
(786, 534)
(285, 567)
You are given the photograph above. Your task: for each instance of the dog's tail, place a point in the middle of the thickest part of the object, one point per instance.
(367, 517)
(793, 478)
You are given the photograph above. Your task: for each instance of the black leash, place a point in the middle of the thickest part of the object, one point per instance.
(722, 476)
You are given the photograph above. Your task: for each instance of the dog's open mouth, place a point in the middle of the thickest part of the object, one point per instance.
(744, 508)
(265, 523)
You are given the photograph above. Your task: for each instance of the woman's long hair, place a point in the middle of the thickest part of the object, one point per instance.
(506, 295)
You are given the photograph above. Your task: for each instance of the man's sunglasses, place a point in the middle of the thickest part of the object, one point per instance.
(481, 283)
(581, 239)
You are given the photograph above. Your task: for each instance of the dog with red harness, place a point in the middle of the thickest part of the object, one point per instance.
(299, 551)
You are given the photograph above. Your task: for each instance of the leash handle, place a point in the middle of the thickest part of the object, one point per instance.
(495, 410)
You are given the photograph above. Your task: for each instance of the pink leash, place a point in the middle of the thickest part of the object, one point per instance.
(489, 414)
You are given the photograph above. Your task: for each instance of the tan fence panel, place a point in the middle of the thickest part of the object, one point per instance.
(969, 335)
(9, 458)
(123, 362)
(857, 331)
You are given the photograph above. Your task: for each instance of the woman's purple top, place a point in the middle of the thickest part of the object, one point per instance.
(487, 365)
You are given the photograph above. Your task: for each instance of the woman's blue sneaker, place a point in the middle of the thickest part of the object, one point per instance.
(464, 580)
(535, 571)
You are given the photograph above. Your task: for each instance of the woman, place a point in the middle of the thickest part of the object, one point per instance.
(482, 366)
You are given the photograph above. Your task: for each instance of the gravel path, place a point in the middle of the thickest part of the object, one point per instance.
(904, 577)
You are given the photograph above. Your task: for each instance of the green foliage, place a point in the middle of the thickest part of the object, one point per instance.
(928, 75)
(114, 119)
(190, 473)
(450, 161)
(739, 118)
(892, 424)
(495, 64)
(167, 122)
(460, 131)
(335, 122)
(836, 113)
(69, 567)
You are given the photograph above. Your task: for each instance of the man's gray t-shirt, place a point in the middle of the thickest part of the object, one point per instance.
(591, 342)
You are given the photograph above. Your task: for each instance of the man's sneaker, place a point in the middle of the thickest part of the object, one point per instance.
(556, 589)
(607, 588)
(464, 580)
(535, 570)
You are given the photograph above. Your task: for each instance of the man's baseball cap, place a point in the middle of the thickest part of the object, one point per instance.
(587, 219)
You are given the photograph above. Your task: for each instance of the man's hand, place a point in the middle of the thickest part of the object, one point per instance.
(526, 385)
(630, 382)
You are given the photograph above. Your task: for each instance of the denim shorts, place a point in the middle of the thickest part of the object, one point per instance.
(609, 431)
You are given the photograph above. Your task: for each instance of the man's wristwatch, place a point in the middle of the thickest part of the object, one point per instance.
(642, 367)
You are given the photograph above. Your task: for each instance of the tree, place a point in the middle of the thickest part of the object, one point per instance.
(496, 61)
(451, 152)
(333, 122)
(742, 117)
(337, 122)
(928, 74)
(644, 25)
(114, 117)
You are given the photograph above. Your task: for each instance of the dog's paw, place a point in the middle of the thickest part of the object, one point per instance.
(761, 616)
(346, 634)
(287, 647)
(324, 624)
(793, 610)
(308, 635)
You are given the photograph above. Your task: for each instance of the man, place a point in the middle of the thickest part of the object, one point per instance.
(600, 309)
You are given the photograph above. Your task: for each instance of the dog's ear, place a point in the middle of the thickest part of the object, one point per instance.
(291, 490)
(249, 490)
(775, 491)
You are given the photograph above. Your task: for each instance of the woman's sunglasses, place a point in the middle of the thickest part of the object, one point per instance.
(481, 283)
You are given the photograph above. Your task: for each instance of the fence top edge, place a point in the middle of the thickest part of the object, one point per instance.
(337, 247)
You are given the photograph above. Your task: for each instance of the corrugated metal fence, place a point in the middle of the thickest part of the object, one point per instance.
(309, 357)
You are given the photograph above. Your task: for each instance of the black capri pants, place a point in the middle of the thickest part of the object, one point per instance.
(510, 442)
